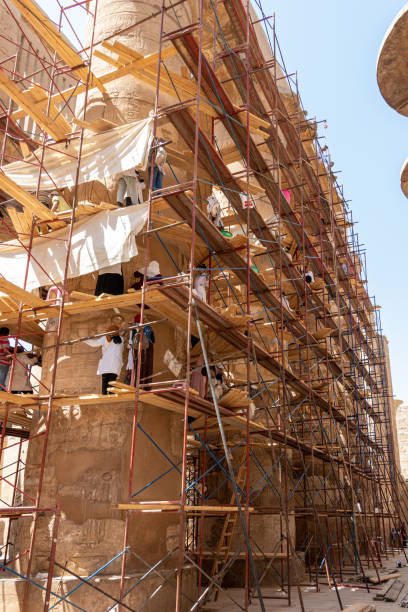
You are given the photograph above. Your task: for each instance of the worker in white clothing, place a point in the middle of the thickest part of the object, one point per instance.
(201, 283)
(111, 361)
(21, 375)
(132, 185)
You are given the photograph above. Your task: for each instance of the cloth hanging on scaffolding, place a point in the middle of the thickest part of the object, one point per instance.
(113, 152)
(104, 239)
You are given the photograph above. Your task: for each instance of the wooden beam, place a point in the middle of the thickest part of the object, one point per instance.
(157, 506)
(22, 221)
(253, 188)
(141, 68)
(127, 54)
(106, 78)
(12, 398)
(54, 114)
(107, 58)
(30, 106)
(26, 199)
(242, 555)
(46, 29)
(147, 507)
(94, 304)
(20, 295)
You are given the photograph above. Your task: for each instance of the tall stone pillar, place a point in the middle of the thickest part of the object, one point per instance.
(129, 99)
(87, 464)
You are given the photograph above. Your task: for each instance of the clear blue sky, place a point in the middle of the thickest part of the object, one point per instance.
(333, 45)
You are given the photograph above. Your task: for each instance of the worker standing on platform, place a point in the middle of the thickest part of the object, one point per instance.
(110, 364)
(157, 159)
(131, 184)
(58, 202)
(21, 377)
(4, 356)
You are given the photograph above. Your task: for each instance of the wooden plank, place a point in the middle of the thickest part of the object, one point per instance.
(19, 400)
(92, 305)
(25, 150)
(25, 198)
(146, 507)
(257, 121)
(98, 126)
(391, 591)
(107, 58)
(227, 509)
(31, 108)
(242, 555)
(360, 607)
(46, 29)
(253, 188)
(7, 305)
(161, 402)
(158, 506)
(322, 333)
(74, 91)
(80, 295)
(177, 315)
(234, 399)
(383, 577)
(20, 294)
(394, 592)
(129, 54)
(173, 82)
(22, 221)
(57, 118)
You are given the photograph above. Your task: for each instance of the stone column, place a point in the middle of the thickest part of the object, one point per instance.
(87, 465)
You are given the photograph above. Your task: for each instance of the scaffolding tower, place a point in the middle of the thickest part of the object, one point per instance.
(288, 476)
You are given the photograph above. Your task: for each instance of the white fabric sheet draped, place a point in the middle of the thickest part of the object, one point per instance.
(101, 240)
(103, 155)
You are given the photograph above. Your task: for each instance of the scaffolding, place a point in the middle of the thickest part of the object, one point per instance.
(293, 465)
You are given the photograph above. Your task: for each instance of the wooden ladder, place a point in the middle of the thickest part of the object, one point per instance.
(224, 543)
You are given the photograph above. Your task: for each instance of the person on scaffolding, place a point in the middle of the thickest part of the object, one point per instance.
(217, 378)
(130, 185)
(111, 361)
(146, 368)
(22, 370)
(157, 160)
(4, 356)
(58, 202)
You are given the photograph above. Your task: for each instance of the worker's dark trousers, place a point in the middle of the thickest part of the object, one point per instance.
(106, 379)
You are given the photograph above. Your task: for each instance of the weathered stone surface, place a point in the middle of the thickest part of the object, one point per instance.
(402, 428)
(392, 72)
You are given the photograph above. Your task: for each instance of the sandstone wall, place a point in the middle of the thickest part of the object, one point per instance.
(402, 429)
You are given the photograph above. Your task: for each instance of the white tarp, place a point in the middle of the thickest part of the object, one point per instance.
(102, 240)
(103, 155)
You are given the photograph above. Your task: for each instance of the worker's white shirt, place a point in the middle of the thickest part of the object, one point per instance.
(115, 269)
(112, 355)
(201, 284)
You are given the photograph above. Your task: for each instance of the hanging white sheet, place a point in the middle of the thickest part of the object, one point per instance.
(103, 155)
(104, 239)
